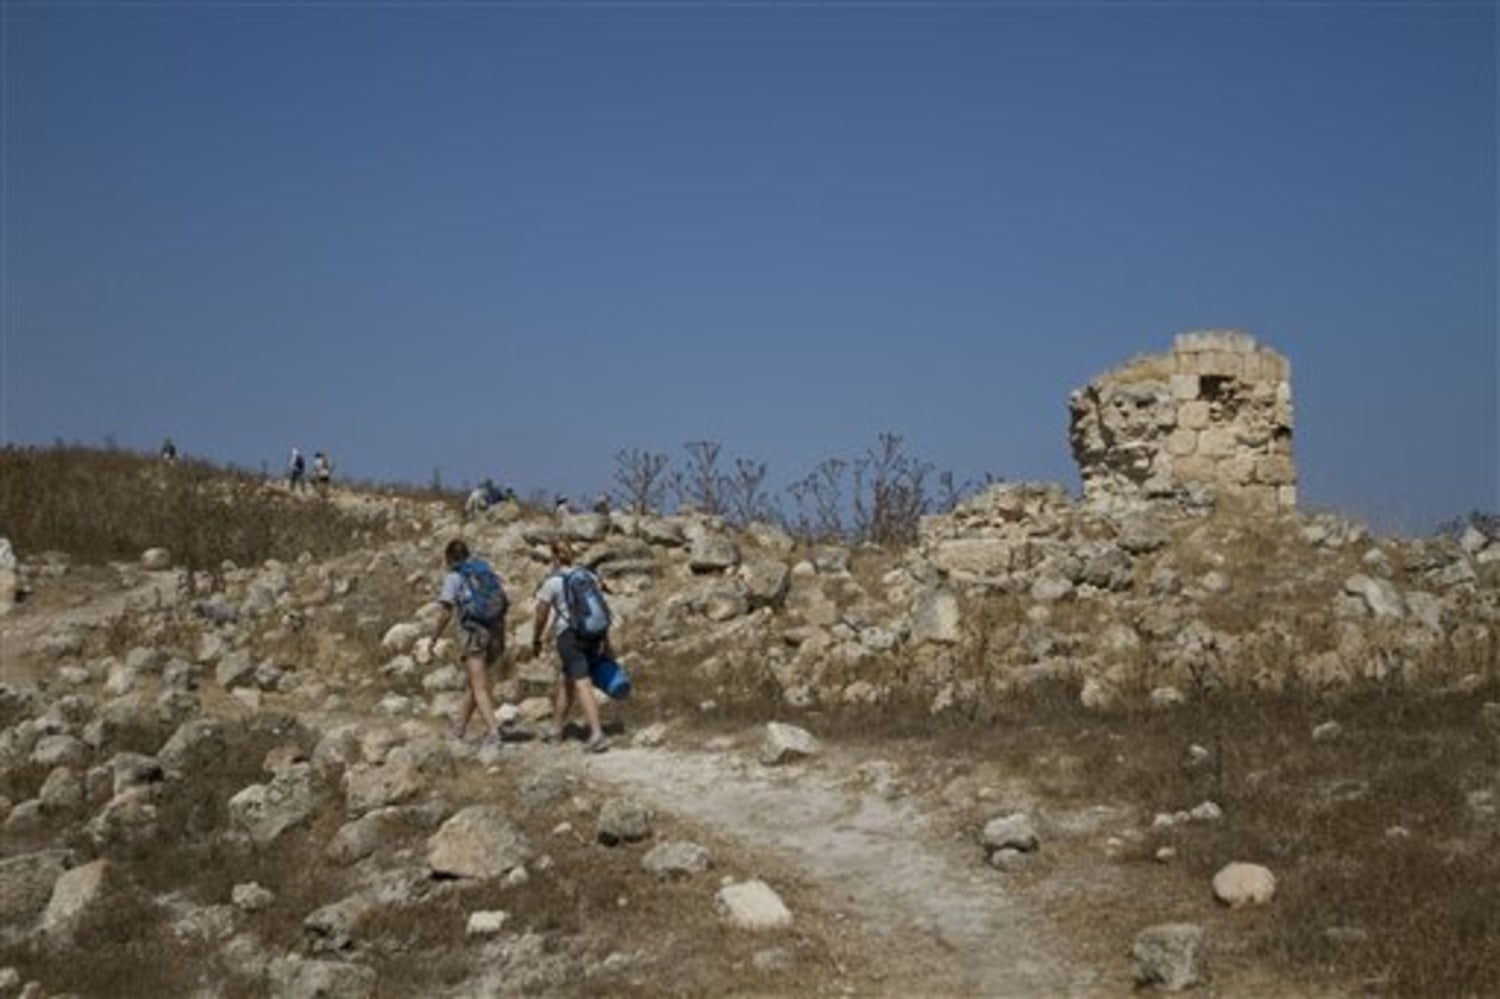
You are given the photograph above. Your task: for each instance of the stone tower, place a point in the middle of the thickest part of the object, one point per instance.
(1216, 412)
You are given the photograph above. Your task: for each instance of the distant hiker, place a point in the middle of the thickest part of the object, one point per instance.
(474, 592)
(601, 505)
(560, 506)
(484, 496)
(296, 470)
(571, 597)
(322, 472)
(168, 451)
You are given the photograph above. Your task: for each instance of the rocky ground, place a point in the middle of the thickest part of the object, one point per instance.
(240, 784)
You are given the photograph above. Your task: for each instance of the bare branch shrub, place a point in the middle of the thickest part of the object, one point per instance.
(889, 492)
(700, 485)
(745, 498)
(640, 476)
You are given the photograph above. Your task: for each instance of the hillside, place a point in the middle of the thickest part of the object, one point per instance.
(1019, 752)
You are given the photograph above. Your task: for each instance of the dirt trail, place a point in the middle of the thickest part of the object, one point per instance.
(941, 923)
(26, 625)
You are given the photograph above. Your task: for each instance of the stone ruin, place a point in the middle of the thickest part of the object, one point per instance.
(1210, 420)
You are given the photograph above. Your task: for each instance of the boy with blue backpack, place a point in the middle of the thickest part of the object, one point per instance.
(573, 598)
(473, 592)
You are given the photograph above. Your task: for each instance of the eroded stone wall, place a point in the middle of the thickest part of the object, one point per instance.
(1215, 414)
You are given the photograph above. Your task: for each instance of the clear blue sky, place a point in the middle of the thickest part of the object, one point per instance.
(513, 240)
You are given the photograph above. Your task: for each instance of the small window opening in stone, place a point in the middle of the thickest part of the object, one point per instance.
(1214, 388)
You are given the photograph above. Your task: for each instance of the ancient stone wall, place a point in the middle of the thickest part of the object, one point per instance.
(1215, 414)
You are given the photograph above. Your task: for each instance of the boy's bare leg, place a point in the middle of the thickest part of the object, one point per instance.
(562, 703)
(479, 694)
(590, 706)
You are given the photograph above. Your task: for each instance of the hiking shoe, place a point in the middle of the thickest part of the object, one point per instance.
(491, 743)
(549, 734)
(598, 744)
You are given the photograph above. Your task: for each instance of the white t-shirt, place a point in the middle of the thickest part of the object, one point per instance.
(551, 592)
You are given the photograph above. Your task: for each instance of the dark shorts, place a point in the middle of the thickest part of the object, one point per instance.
(577, 654)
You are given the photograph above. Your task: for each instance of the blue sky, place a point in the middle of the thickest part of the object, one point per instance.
(512, 240)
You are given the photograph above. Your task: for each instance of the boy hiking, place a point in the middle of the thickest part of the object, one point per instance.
(572, 598)
(472, 591)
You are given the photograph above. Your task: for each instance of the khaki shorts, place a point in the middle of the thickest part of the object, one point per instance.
(474, 640)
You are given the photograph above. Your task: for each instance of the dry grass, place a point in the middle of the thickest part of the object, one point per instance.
(101, 506)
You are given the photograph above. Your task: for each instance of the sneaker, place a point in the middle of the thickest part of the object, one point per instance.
(598, 744)
(549, 734)
(491, 743)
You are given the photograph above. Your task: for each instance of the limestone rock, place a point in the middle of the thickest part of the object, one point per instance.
(752, 905)
(623, 821)
(1240, 884)
(676, 859)
(1169, 956)
(263, 812)
(479, 842)
(783, 742)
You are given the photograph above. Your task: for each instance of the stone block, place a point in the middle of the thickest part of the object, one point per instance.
(1239, 470)
(1184, 386)
(1194, 469)
(1193, 415)
(1216, 442)
(1261, 499)
(1275, 470)
(1223, 363)
(1182, 443)
(1233, 341)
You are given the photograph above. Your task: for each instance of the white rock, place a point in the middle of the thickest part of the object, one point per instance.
(486, 923)
(783, 742)
(1239, 884)
(752, 905)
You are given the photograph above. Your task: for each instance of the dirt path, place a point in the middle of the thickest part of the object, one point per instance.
(940, 921)
(27, 625)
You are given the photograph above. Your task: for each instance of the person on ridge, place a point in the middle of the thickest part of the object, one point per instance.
(296, 471)
(577, 652)
(322, 473)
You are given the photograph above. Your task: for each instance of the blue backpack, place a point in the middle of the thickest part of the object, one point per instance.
(482, 598)
(588, 614)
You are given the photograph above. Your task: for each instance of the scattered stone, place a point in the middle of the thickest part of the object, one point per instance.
(676, 859)
(752, 905)
(251, 897)
(1327, 731)
(623, 821)
(1010, 832)
(1240, 884)
(486, 923)
(783, 743)
(1168, 956)
(479, 842)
